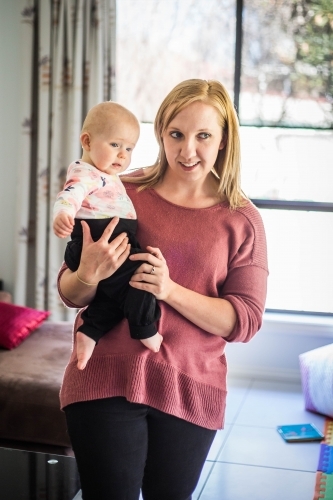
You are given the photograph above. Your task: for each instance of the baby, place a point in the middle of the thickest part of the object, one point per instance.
(94, 192)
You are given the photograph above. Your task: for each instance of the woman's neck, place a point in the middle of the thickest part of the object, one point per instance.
(187, 194)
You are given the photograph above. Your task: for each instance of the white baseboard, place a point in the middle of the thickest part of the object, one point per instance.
(265, 373)
(273, 353)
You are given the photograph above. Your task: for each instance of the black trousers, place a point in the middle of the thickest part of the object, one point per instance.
(121, 447)
(115, 299)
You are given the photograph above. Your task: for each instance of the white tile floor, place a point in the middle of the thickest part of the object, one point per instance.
(248, 459)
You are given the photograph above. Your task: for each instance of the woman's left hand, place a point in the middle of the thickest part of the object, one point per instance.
(212, 314)
(153, 275)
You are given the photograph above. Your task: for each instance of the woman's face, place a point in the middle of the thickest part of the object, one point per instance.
(192, 141)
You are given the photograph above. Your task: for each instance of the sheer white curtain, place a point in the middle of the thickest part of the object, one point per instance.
(68, 66)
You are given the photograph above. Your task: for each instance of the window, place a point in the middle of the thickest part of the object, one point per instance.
(276, 60)
(162, 42)
(287, 51)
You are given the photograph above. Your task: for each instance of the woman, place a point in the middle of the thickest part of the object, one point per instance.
(146, 420)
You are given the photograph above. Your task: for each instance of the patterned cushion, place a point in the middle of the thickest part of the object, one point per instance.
(317, 379)
(17, 322)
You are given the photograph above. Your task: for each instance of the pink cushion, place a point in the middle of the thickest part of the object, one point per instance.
(17, 322)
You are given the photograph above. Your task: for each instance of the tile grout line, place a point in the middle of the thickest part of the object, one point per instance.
(213, 462)
(265, 467)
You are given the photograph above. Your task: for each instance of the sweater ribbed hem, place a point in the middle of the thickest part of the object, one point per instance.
(142, 380)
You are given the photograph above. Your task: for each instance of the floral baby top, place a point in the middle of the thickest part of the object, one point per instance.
(91, 194)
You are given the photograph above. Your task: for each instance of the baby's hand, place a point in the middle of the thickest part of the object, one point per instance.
(63, 225)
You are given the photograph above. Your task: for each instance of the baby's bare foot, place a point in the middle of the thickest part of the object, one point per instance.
(153, 343)
(84, 349)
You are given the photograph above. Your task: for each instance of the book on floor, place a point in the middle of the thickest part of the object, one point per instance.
(300, 432)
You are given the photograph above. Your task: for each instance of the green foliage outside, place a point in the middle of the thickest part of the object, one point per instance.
(312, 26)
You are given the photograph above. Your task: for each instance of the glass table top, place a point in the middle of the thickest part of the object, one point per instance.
(26, 475)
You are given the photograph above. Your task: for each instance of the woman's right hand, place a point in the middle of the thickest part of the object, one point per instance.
(99, 260)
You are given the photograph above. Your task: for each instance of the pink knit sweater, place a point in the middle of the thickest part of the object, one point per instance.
(214, 251)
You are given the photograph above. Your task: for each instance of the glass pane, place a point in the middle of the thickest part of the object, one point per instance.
(287, 71)
(146, 151)
(287, 164)
(162, 42)
(300, 260)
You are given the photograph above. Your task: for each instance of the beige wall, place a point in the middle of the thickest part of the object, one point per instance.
(10, 84)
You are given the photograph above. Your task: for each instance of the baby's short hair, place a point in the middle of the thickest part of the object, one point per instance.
(106, 113)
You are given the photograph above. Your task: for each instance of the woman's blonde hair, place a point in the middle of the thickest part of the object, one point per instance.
(227, 165)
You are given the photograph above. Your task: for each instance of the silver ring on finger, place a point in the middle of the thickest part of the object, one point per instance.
(152, 270)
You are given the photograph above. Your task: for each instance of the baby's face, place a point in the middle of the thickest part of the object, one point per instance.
(111, 152)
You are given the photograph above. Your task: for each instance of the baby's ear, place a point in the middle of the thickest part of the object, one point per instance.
(85, 141)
